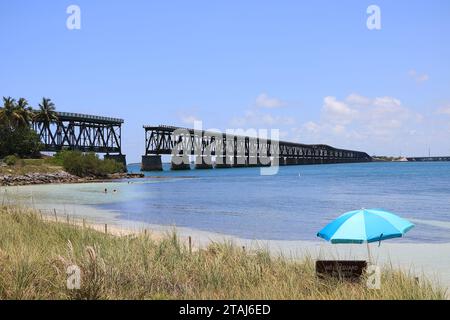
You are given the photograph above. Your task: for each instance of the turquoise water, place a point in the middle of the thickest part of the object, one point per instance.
(295, 203)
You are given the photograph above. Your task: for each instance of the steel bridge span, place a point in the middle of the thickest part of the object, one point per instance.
(86, 133)
(233, 150)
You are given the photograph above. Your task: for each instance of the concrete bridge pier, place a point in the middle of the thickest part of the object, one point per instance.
(203, 162)
(180, 162)
(121, 158)
(151, 163)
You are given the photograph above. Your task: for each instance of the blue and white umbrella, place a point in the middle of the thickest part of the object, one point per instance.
(365, 225)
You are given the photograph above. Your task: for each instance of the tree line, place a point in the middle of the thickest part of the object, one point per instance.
(17, 137)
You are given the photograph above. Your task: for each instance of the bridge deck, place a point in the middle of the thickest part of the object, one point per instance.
(70, 116)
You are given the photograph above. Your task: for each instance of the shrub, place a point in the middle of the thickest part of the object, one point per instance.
(10, 160)
(86, 164)
(23, 142)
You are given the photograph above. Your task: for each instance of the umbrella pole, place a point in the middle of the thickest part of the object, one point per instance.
(368, 253)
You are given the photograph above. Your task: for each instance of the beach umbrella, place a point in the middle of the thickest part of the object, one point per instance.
(365, 226)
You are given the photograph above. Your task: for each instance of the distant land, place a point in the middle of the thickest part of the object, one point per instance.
(409, 159)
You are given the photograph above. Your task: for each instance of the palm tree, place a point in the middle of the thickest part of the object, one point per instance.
(15, 115)
(45, 116)
(8, 114)
(46, 113)
(25, 113)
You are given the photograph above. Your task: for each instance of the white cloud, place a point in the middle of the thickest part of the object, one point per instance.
(355, 98)
(444, 110)
(255, 118)
(189, 119)
(312, 127)
(359, 122)
(387, 102)
(264, 101)
(337, 112)
(419, 78)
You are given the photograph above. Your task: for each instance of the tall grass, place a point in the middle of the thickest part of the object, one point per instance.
(35, 254)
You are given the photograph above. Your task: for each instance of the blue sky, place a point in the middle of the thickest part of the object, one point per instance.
(311, 69)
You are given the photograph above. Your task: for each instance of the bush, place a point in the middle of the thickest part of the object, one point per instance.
(87, 164)
(23, 142)
(10, 160)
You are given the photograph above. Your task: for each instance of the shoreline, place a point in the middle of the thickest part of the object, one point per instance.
(59, 177)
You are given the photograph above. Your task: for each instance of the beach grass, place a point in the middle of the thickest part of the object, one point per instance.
(35, 254)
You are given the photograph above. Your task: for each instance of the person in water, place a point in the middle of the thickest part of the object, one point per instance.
(106, 190)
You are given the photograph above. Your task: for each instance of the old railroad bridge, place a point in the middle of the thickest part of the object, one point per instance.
(98, 134)
(87, 133)
(233, 150)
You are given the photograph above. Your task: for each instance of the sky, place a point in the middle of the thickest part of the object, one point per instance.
(311, 69)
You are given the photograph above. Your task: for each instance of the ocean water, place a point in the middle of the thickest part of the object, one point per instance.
(292, 205)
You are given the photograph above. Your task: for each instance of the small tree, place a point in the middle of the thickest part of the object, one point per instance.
(23, 142)
(87, 164)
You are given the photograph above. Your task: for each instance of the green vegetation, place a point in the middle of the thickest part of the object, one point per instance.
(19, 140)
(73, 162)
(46, 113)
(35, 255)
(16, 135)
(11, 160)
(17, 166)
(22, 142)
(86, 164)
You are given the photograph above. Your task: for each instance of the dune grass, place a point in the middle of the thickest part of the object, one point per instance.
(35, 254)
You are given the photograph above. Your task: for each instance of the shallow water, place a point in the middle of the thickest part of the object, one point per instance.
(298, 201)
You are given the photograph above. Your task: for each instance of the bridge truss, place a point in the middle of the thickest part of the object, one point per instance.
(81, 132)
